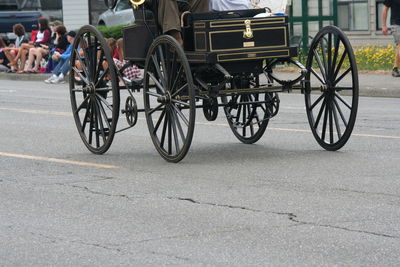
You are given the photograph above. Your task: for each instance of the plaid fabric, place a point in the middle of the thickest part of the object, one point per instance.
(130, 72)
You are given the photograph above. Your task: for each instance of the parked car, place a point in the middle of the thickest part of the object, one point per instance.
(26, 12)
(120, 14)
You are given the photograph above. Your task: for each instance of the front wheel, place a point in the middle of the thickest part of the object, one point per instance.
(169, 98)
(94, 90)
(331, 88)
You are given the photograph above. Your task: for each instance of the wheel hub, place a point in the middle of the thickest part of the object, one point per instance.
(90, 88)
(165, 99)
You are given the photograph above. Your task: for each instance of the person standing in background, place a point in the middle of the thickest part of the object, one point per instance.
(394, 6)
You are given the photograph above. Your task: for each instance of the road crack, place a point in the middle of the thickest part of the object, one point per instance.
(87, 189)
(291, 217)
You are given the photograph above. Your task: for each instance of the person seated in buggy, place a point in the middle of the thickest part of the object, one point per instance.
(169, 15)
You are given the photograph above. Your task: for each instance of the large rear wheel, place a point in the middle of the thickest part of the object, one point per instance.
(331, 91)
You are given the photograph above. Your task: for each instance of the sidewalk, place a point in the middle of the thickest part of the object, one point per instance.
(371, 84)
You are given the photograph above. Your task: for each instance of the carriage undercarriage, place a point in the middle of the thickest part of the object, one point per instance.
(177, 82)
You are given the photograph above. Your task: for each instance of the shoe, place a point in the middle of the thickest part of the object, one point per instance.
(395, 72)
(58, 80)
(51, 79)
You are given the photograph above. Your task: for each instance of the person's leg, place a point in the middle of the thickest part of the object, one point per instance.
(23, 53)
(199, 5)
(57, 69)
(396, 37)
(169, 19)
(9, 53)
(39, 55)
(3, 68)
(31, 57)
(65, 68)
(56, 72)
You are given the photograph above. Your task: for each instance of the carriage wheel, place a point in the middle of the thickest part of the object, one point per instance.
(248, 121)
(169, 98)
(93, 90)
(332, 68)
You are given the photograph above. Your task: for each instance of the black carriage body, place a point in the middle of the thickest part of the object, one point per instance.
(210, 39)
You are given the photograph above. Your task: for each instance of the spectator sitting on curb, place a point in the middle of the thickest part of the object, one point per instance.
(395, 22)
(3, 61)
(42, 37)
(59, 43)
(61, 70)
(11, 51)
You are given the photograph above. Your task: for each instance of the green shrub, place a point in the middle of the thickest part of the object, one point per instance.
(112, 32)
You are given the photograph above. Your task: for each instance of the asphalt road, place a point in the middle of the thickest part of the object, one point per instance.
(281, 202)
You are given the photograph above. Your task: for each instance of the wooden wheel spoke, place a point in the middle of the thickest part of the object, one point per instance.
(339, 66)
(156, 82)
(172, 65)
(321, 67)
(179, 112)
(164, 130)
(156, 108)
(320, 114)
(83, 78)
(158, 71)
(317, 101)
(177, 77)
(180, 90)
(335, 55)
(100, 65)
(329, 54)
(82, 104)
(160, 119)
(342, 76)
(335, 115)
(330, 123)
(83, 64)
(105, 102)
(163, 64)
(87, 114)
(340, 112)
(175, 132)
(323, 47)
(102, 76)
(102, 110)
(185, 104)
(342, 100)
(179, 126)
(96, 123)
(169, 132)
(317, 75)
(91, 123)
(324, 124)
(153, 94)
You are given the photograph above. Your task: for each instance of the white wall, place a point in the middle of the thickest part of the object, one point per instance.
(75, 13)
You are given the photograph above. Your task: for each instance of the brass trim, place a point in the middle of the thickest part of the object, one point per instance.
(258, 29)
(199, 25)
(248, 44)
(248, 32)
(205, 40)
(252, 58)
(254, 21)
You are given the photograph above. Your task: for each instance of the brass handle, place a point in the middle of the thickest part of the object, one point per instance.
(137, 3)
(248, 32)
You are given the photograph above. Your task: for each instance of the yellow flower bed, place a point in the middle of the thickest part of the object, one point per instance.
(375, 57)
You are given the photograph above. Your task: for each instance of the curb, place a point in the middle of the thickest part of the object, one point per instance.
(371, 85)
